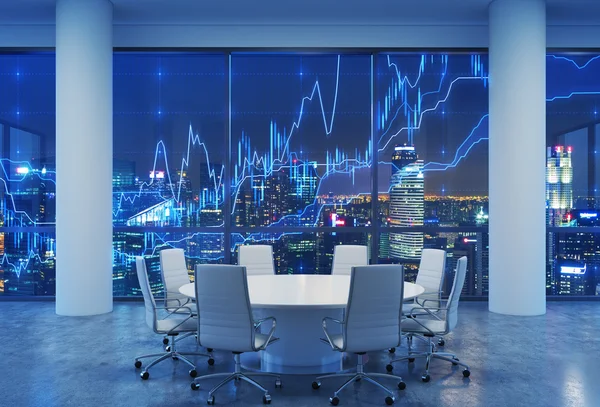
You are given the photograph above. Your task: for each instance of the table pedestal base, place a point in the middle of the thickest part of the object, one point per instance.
(299, 349)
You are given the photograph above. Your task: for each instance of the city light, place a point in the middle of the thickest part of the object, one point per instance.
(573, 270)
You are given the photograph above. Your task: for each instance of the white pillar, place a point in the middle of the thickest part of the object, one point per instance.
(517, 103)
(84, 131)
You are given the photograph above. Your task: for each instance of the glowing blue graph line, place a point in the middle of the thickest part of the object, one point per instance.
(193, 139)
(7, 178)
(557, 57)
(570, 95)
(458, 156)
(31, 255)
(432, 109)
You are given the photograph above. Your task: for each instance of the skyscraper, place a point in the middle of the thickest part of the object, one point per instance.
(559, 203)
(407, 203)
(402, 156)
(559, 185)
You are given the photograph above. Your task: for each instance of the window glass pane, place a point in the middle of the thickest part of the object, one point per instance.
(473, 245)
(432, 132)
(199, 248)
(573, 260)
(169, 134)
(28, 263)
(300, 253)
(27, 123)
(572, 172)
(300, 129)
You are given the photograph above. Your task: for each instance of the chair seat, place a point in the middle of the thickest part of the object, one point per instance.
(260, 340)
(167, 325)
(411, 326)
(337, 340)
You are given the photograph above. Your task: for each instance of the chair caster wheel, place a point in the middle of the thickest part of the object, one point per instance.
(466, 373)
(401, 386)
(392, 350)
(210, 401)
(211, 362)
(454, 363)
(278, 384)
(358, 379)
(411, 360)
(441, 342)
(266, 399)
(209, 350)
(175, 357)
(316, 385)
(389, 400)
(425, 378)
(389, 368)
(334, 401)
(167, 348)
(144, 375)
(195, 386)
(138, 364)
(165, 341)
(193, 373)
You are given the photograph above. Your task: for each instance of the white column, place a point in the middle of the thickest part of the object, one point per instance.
(84, 157)
(517, 103)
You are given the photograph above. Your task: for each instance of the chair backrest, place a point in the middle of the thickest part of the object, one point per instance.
(224, 313)
(431, 274)
(457, 286)
(174, 274)
(374, 308)
(149, 303)
(258, 259)
(347, 256)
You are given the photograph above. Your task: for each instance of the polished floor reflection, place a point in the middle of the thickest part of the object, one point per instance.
(49, 360)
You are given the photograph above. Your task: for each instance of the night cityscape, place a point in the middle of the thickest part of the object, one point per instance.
(303, 143)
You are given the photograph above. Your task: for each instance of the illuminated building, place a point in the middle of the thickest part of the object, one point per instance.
(407, 202)
(559, 202)
(474, 245)
(402, 156)
(559, 184)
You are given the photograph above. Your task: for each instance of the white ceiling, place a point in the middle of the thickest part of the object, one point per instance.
(392, 12)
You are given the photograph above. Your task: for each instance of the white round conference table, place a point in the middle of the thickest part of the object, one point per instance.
(299, 302)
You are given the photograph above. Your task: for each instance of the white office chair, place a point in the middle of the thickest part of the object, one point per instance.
(171, 326)
(433, 325)
(174, 274)
(225, 322)
(371, 323)
(258, 259)
(347, 256)
(431, 277)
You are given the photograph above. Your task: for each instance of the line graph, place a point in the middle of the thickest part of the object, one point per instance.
(308, 168)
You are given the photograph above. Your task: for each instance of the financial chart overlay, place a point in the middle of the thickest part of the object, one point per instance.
(301, 151)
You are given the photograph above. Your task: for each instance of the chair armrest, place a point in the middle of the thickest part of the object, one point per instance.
(440, 301)
(422, 301)
(176, 309)
(324, 324)
(258, 323)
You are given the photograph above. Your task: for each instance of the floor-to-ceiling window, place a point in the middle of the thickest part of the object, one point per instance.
(573, 173)
(217, 149)
(27, 174)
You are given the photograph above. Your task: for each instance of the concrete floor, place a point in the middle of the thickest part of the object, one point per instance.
(552, 360)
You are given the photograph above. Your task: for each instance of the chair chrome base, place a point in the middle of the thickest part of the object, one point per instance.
(429, 354)
(237, 375)
(172, 353)
(359, 375)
